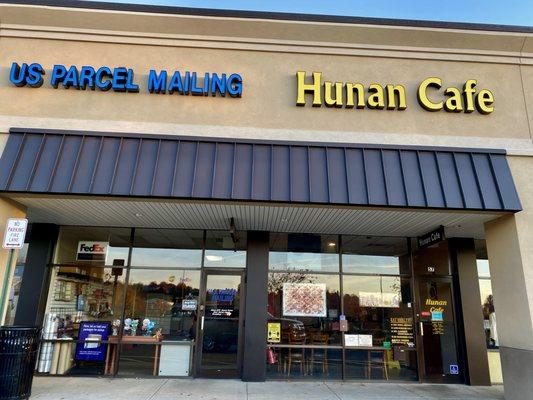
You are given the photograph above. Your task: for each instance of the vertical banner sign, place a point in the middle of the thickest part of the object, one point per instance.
(89, 346)
(15, 233)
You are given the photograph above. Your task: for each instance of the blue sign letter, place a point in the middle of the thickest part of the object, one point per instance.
(58, 73)
(17, 75)
(234, 85)
(157, 84)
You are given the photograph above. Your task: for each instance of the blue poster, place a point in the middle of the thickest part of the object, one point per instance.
(89, 346)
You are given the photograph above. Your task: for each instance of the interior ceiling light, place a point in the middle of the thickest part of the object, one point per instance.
(331, 244)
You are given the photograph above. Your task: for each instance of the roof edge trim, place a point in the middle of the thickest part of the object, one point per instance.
(283, 16)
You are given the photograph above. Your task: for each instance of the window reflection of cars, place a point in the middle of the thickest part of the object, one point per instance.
(222, 336)
(289, 326)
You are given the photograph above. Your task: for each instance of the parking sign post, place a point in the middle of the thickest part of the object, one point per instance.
(13, 239)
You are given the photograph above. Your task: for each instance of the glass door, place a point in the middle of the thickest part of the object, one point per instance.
(220, 324)
(437, 334)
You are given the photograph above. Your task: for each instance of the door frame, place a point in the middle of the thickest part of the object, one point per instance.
(422, 377)
(230, 373)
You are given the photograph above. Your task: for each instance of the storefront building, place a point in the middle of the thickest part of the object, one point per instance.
(265, 196)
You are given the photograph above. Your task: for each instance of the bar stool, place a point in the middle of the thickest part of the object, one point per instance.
(295, 355)
(320, 356)
(282, 352)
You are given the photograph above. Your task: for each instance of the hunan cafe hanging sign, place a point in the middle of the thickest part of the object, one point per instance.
(432, 95)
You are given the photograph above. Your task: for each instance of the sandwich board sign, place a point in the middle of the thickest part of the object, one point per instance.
(15, 233)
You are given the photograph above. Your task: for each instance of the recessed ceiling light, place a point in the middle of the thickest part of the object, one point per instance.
(284, 220)
(138, 215)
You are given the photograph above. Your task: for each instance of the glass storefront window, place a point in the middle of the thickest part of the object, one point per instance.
(374, 255)
(162, 248)
(306, 303)
(162, 297)
(224, 251)
(300, 322)
(318, 363)
(381, 364)
(303, 252)
(483, 270)
(489, 315)
(379, 311)
(15, 285)
(84, 316)
(148, 305)
(79, 294)
(374, 304)
(92, 246)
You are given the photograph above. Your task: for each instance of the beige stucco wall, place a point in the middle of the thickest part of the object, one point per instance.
(510, 252)
(268, 58)
(269, 90)
(527, 83)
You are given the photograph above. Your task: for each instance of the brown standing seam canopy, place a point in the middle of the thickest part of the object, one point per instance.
(89, 163)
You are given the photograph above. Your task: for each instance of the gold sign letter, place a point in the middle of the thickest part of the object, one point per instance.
(484, 101)
(422, 95)
(314, 88)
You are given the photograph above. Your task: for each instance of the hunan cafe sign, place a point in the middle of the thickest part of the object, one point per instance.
(432, 95)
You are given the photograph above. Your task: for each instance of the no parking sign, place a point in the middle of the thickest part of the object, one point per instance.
(15, 233)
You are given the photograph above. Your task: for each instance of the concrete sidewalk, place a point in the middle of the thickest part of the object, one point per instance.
(202, 389)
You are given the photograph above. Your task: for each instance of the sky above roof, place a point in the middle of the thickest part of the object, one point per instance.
(504, 12)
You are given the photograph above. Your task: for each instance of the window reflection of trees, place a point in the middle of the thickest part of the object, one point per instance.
(276, 280)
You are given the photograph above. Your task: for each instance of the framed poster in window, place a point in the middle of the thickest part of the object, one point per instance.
(304, 299)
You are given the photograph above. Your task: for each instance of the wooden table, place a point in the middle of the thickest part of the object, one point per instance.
(112, 351)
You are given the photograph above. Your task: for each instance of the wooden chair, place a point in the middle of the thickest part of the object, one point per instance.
(295, 355)
(319, 356)
(282, 362)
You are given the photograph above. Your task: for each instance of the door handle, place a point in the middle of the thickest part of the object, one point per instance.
(202, 324)
(421, 328)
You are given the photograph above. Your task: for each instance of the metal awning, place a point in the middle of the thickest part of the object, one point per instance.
(109, 164)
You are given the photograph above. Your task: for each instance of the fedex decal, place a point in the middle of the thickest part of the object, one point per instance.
(91, 251)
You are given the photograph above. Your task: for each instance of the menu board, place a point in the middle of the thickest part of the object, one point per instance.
(437, 327)
(402, 331)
